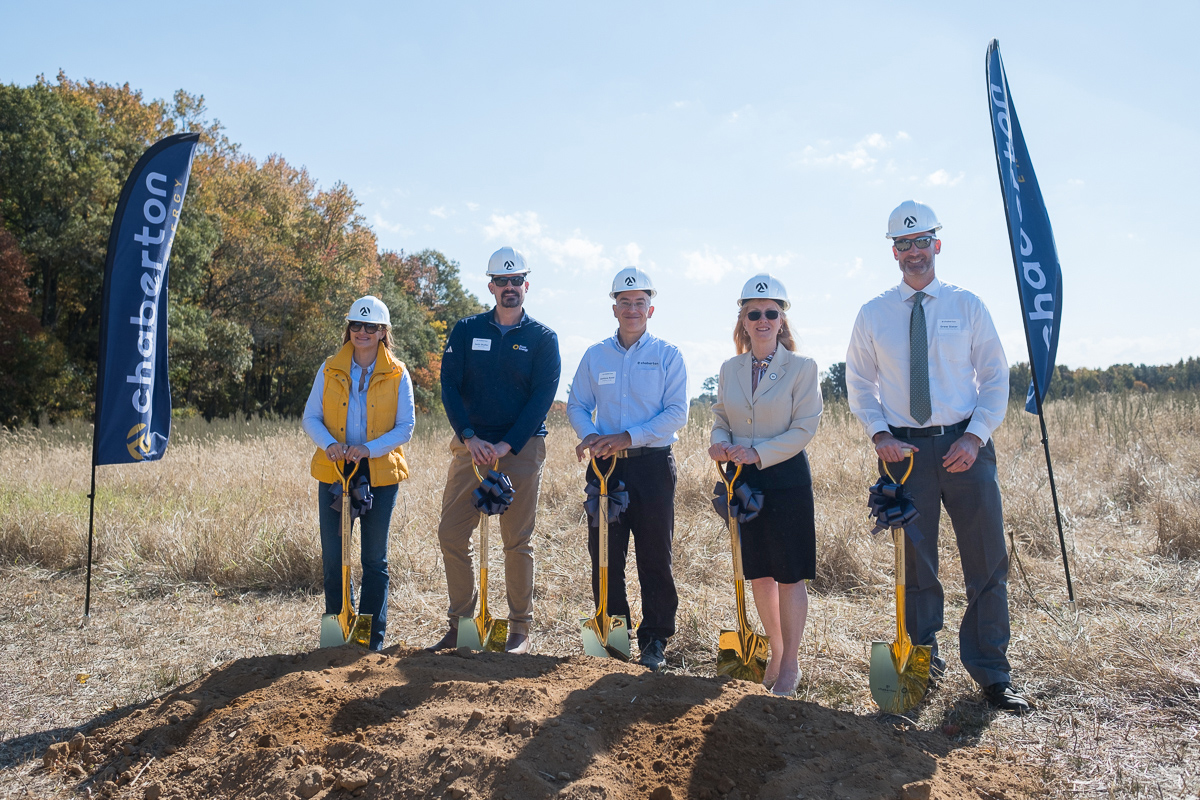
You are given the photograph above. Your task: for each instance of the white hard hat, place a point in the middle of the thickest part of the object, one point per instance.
(765, 286)
(911, 216)
(507, 261)
(369, 309)
(632, 279)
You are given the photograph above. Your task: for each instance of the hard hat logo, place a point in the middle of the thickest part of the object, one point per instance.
(509, 265)
(911, 216)
(910, 222)
(630, 281)
(765, 286)
(506, 260)
(364, 312)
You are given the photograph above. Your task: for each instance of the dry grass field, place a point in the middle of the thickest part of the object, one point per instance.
(211, 555)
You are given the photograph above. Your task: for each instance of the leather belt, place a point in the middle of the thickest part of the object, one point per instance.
(634, 452)
(936, 430)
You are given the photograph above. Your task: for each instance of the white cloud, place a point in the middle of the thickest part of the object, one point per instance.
(632, 254)
(513, 227)
(439, 212)
(472, 206)
(863, 156)
(857, 268)
(942, 178)
(525, 232)
(1074, 182)
(391, 227)
(706, 267)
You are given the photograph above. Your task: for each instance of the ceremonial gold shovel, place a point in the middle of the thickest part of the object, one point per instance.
(346, 626)
(604, 636)
(742, 653)
(900, 670)
(484, 632)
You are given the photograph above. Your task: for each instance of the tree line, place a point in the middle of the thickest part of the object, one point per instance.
(263, 268)
(1066, 382)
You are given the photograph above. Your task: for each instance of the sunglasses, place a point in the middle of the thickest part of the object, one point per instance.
(370, 327)
(755, 316)
(508, 280)
(904, 245)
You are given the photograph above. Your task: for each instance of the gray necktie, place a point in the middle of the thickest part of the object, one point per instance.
(919, 403)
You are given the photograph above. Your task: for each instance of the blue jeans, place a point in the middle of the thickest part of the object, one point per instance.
(374, 531)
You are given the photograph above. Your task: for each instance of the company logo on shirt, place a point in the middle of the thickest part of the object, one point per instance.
(521, 347)
(647, 363)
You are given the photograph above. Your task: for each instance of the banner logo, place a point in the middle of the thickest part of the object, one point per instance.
(138, 443)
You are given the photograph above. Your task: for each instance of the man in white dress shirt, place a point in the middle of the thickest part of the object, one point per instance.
(636, 384)
(925, 370)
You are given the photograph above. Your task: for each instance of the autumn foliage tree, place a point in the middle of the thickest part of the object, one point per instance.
(263, 268)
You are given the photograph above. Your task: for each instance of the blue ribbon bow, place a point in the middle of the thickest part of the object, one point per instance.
(747, 502)
(618, 501)
(892, 507)
(494, 495)
(360, 496)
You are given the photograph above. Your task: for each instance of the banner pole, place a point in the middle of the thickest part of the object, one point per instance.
(1037, 390)
(87, 597)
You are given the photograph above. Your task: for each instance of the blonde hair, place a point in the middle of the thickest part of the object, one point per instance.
(741, 339)
(386, 341)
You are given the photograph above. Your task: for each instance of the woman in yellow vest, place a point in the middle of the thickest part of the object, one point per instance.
(361, 410)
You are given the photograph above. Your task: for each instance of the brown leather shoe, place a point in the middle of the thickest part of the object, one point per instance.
(518, 639)
(447, 642)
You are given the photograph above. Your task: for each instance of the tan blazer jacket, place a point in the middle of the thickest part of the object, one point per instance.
(779, 419)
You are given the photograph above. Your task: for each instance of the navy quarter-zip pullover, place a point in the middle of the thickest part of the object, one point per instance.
(500, 384)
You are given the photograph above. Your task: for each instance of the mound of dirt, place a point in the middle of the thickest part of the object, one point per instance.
(341, 723)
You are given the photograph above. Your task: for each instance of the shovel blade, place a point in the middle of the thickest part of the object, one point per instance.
(601, 644)
(744, 658)
(360, 634)
(331, 631)
(899, 688)
(483, 633)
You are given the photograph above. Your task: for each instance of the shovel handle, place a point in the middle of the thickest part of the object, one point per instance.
(726, 480)
(604, 476)
(344, 476)
(909, 453)
(474, 466)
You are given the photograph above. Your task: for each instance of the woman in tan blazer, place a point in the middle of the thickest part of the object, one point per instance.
(768, 406)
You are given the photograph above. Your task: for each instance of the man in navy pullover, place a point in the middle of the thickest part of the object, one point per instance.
(500, 371)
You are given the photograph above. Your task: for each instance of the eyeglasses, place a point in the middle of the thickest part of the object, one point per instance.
(904, 245)
(508, 280)
(755, 316)
(370, 327)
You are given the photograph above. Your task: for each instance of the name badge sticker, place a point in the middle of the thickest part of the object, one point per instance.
(481, 344)
(607, 378)
(949, 326)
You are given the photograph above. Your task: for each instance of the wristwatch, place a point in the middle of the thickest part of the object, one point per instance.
(467, 433)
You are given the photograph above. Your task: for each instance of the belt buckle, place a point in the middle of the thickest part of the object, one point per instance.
(941, 431)
(621, 454)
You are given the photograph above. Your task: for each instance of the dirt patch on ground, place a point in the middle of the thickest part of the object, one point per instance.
(405, 723)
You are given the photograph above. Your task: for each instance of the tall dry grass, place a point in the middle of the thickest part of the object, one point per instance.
(232, 505)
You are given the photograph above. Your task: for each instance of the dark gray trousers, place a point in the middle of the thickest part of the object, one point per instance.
(972, 499)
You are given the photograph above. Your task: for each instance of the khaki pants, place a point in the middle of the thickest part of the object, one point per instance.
(460, 520)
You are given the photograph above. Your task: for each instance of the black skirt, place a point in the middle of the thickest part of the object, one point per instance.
(781, 542)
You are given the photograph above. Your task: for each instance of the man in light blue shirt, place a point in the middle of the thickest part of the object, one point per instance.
(635, 385)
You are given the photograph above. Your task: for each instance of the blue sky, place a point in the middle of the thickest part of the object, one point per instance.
(705, 142)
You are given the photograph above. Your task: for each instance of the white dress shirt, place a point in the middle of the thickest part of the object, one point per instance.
(642, 391)
(313, 421)
(968, 373)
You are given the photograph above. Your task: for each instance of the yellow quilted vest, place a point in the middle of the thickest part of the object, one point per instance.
(382, 396)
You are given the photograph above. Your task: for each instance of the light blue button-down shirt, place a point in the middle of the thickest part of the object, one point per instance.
(642, 391)
(356, 413)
